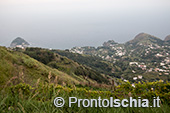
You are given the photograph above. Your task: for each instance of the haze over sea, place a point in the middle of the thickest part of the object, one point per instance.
(64, 24)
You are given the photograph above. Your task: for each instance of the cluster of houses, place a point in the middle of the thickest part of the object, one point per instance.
(120, 51)
(22, 46)
(164, 68)
(78, 50)
(140, 65)
(101, 52)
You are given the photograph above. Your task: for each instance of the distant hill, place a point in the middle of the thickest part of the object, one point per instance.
(148, 53)
(167, 38)
(19, 42)
(109, 43)
(111, 49)
(145, 39)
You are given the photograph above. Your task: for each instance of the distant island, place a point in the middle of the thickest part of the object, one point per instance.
(19, 42)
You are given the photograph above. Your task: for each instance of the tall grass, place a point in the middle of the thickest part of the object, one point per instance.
(23, 98)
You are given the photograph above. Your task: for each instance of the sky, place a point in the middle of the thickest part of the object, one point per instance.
(63, 24)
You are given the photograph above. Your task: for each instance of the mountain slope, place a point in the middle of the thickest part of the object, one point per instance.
(145, 55)
(145, 39)
(95, 63)
(17, 67)
(64, 64)
(167, 38)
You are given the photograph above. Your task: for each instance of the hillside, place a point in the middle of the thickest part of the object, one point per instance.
(145, 39)
(72, 68)
(16, 67)
(167, 38)
(94, 62)
(144, 58)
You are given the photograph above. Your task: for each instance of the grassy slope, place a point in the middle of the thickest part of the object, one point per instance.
(18, 65)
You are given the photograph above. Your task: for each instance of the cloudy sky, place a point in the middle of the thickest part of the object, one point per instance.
(64, 24)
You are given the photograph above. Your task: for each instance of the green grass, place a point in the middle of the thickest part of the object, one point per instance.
(23, 98)
(18, 65)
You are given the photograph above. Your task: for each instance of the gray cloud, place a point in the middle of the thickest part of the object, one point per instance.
(67, 23)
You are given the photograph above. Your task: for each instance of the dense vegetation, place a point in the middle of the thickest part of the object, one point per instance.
(95, 63)
(23, 98)
(64, 64)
